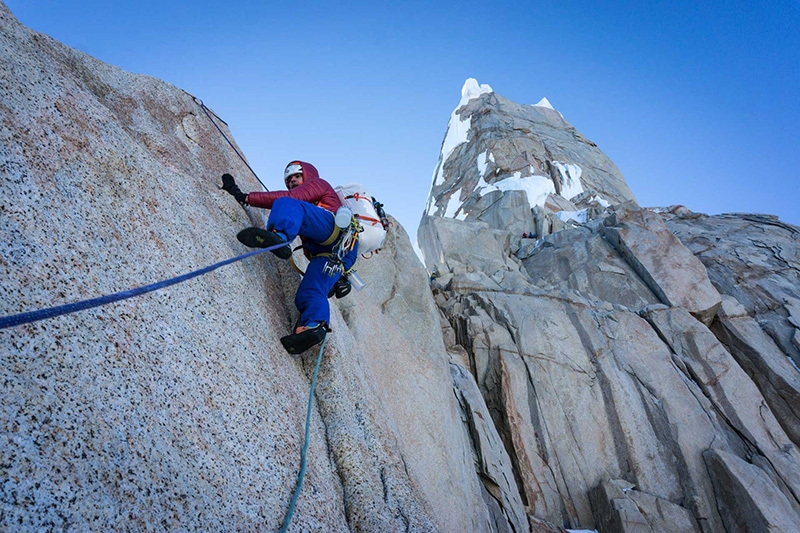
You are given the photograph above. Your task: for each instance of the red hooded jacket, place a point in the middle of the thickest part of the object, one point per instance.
(314, 190)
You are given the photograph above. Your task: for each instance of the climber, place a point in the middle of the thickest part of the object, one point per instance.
(306, 209)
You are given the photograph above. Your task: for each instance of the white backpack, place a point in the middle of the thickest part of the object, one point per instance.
(359, 201)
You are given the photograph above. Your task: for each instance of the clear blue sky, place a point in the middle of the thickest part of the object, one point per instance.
(698, 103)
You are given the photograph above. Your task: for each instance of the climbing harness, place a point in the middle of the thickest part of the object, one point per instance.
(208, 113)
(52, 312)
(335, 263)
(351, 275)
(348, 238)
(302, 473)
(345, 234)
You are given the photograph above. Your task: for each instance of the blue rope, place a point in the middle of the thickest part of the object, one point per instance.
(52, 312)
(302, 474)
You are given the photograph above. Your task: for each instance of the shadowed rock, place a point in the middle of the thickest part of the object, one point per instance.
(619, 507)
(748, 499)
(662, 262)
(755, 351)
(756, 260)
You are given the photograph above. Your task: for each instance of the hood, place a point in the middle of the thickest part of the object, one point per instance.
(310, 172)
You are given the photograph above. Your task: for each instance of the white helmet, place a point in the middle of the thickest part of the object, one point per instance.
(292, 168)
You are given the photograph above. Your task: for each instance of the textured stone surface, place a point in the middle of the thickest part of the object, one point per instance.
(583, 392)
(777, 378)
(730, 390)
(538, 483)
(508, 211)
(551, 369)
(179, 410)
(149, 413)
(600, 398)
(663, 263)
(753, 258)
(580, 260)
(469, 256)
(748, 499)
(546, 221)
(556, 202)
(491, 457)
(619, 507)
(399, 348)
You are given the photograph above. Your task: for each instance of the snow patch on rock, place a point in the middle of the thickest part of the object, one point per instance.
(535, 187)
(458, 127)
(579, 216)
(570, 179)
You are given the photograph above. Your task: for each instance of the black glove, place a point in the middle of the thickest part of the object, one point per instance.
(341, 288)
(229, 185)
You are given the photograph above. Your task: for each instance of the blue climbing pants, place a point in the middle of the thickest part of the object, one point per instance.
(314, 225)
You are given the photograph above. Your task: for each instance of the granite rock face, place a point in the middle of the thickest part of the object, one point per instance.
(179, 410)
(750, 501)
(568, 359)
(758, 354)
(619, 507)
(667, 267)
(755, 259)
(638, 364)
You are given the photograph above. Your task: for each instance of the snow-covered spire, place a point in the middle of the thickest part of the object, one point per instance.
(457, 128)
(472, 89)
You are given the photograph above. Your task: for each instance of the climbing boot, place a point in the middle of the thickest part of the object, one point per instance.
(261, 238)
(304, 338)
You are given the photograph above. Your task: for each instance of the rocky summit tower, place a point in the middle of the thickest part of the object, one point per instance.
(639, 365)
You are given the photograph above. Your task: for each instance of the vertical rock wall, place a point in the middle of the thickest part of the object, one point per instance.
(179, 410)
(639, 367)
